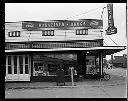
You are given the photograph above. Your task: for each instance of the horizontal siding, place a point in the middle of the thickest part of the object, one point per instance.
(13, 27)
(59, 35)
(52, 39)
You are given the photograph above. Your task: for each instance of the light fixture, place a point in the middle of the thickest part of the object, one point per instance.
(87, 52)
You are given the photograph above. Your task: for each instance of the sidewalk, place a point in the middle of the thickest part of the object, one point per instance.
(115, 80)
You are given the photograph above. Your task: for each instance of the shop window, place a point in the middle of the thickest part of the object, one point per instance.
(15, 64)
(14, 34)
(82, 32)
(9, 65)
(26, 69)
(21, 64)
(40, 69)
(9, 70)
(52, 68)
(26, 65)
(47, 32)
(9, 60)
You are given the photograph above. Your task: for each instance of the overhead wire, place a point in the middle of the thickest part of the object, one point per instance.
(85, 12)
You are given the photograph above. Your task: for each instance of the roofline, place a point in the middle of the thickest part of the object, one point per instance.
(53, 20)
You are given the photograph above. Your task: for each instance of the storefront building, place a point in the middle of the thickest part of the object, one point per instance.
(34, 50)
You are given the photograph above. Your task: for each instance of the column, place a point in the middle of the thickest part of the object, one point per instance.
(81, 63)
(31, 59)
(101, 63)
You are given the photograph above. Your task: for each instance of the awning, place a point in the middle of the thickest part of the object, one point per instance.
(107, 50)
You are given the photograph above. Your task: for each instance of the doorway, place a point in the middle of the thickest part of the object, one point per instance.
(17, 68)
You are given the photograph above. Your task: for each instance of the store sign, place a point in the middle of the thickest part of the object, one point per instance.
(111, 28)
(63, 24)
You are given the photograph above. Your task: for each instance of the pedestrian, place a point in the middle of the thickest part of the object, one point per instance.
(60, 78)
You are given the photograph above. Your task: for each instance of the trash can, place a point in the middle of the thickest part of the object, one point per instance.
(60, 78)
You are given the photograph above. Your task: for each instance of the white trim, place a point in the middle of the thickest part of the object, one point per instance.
(101, 62)
(6, 66)
(23, 64)
(68, 49)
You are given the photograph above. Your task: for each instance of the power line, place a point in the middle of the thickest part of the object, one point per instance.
(85, 12)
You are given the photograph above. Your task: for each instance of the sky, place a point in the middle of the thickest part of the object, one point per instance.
(72, 11)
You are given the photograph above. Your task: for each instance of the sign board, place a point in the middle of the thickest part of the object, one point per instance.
(111, 28)
(63, 24)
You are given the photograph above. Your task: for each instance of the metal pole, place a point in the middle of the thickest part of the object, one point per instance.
(72, 76)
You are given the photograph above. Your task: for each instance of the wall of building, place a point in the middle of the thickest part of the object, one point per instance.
(120, 61)
(59, 35)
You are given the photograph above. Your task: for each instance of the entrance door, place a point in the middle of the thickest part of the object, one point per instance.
(24, 68)
(17, 68)
(91, 65)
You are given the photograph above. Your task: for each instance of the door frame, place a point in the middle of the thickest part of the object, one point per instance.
(18, 76)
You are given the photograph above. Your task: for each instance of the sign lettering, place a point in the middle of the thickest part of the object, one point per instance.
(63, 24)
(111, 28)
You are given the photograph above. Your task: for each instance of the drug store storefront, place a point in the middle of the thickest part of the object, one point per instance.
(41, 64)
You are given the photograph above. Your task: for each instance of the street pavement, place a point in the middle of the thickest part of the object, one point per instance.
(114, 88)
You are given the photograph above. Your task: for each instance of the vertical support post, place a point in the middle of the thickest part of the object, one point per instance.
(101, 63)
(84, 63)
(81, 62)
(72, 76)
(31, 58)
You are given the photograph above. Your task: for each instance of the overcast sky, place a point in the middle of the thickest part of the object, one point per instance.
(71, 11)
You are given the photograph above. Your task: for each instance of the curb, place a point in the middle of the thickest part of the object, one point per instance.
(42, 87)
(76, 86)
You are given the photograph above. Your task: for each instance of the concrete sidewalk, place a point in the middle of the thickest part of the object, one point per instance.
(115, 80)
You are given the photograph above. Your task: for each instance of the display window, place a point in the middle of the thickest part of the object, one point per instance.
(47, 64)
(91, 65)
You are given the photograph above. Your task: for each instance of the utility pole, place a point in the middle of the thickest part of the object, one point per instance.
(111, 58)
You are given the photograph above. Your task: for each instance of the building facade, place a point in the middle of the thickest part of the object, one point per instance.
(120, 61)
(34, 50)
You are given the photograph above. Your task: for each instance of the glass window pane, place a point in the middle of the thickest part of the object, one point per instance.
(76, 31)
(21, 64)
(15, 60)
(20, 59)
(26, 59)
(15, 64)
(26, 69)
(9, 60)
(18, 33)
(81, 31)
(48, 32)
(84, 32)
(9, 70)
(42, 32)
(52, 32)
(45, 32)
(15, 69)
(21, 69)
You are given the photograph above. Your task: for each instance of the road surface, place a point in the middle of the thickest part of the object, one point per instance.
(114, 88)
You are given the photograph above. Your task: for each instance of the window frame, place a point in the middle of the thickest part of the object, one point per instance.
(47, 32)
(14, 34)
(80, 31)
